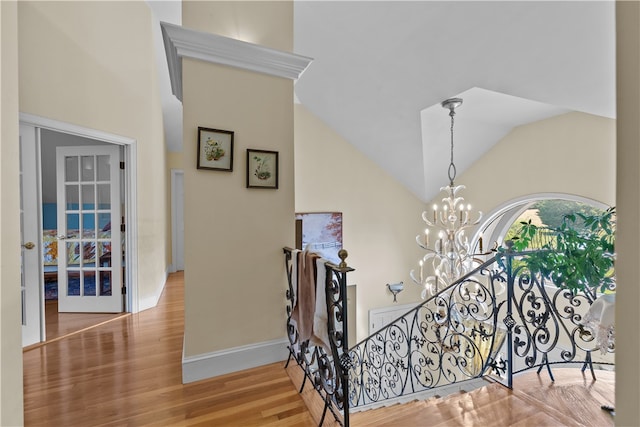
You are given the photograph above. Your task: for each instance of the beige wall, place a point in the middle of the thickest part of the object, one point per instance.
(11, 407)
(572, 153)
(174, 160)
(628, 209)
(380, 217)
(234, 270)
(91, 64)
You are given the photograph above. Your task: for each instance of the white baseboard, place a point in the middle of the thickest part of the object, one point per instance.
(152, 300)
(203, 366)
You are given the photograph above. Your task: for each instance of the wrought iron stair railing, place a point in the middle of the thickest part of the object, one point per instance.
(495, 322)
(449, 338)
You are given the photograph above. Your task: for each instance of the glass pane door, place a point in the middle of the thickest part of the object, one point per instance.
(90, 272)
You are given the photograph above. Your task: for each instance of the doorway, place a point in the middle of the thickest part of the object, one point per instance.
(48, 135)
(177, 219)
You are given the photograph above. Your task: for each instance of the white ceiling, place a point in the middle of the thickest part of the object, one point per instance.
(167, 11)
(381, 69)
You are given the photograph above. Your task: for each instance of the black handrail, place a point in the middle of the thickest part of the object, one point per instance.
(327, 372)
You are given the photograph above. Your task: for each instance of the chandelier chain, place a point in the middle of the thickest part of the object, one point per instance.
(452, 166)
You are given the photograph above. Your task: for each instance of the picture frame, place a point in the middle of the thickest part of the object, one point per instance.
(262, 169)
(320, 232)
(215, 149)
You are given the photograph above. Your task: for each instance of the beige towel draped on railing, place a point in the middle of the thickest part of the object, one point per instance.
(310, 308)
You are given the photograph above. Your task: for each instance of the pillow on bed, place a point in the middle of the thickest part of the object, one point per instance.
(50, 249)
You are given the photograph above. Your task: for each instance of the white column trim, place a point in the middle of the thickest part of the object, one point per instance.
(180, 42)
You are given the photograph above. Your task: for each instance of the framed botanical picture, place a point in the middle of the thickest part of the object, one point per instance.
(215, 149)
(262, 169)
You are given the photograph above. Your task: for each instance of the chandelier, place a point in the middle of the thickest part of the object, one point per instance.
(451, 256)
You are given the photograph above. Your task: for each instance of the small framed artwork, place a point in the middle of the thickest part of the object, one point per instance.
(215, 149)
(320, 232)
(262, 169)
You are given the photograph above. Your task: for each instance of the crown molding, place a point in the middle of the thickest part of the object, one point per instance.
(180, 42)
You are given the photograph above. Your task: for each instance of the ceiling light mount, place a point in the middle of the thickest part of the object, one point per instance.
(452, 104)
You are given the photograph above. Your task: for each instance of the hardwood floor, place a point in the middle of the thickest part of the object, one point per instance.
(127, 372)
(572, 400)
(60, 325)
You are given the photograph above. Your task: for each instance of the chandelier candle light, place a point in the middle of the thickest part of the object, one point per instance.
(451, 256)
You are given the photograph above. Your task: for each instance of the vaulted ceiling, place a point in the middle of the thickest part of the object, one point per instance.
(381, 69)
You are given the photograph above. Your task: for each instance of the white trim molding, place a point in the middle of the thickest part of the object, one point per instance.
(209, 365)
(180, 42)
(152, 301)
(131, 182)
(58, 126)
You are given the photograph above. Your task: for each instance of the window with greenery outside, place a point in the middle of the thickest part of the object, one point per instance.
(570, 243)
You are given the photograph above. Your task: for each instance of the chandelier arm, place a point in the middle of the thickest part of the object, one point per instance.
(422, 245)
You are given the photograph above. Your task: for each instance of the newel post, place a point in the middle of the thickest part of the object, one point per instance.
(336, 291)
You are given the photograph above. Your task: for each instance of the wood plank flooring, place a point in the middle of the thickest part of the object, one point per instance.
(572, 400)
(59, 325)
(127, 372)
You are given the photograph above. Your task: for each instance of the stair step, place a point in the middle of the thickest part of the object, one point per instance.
(397, 413)
(535, 401)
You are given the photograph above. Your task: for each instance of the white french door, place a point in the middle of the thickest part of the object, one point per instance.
(89, 237)
(30, 234)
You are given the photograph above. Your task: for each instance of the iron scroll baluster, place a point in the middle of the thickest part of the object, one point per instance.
(499, 320)
(328, 373)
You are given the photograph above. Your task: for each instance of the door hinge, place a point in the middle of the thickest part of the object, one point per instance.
(124, 290)
(121, 165)
(122, 228)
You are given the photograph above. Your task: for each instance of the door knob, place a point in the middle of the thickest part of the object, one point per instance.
(29, 245)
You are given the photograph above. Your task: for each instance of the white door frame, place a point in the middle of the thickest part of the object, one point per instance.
(32, 279)
(174, 213)
(130, 158)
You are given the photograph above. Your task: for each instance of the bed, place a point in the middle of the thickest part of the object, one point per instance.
(51, 254)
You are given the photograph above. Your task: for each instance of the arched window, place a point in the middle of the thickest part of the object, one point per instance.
(542, 209)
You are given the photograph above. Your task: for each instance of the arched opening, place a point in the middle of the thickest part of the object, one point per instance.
(495, 228)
